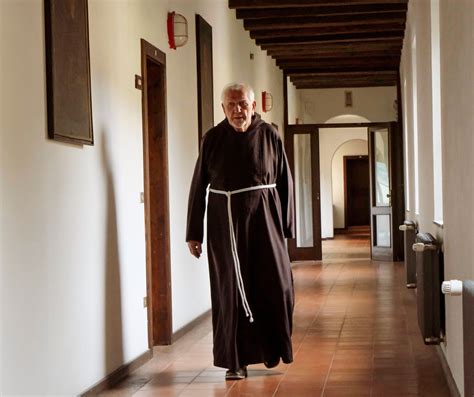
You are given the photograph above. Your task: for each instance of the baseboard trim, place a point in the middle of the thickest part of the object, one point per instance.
(116, 376)
(340, 230)
(453, 388)
(123, 371)
(188, 327)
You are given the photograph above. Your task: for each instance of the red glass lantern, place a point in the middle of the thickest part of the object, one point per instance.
(177, 30)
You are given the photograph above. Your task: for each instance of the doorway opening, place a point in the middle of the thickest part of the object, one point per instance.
(356, 191)
(310, 149)
(155, 163)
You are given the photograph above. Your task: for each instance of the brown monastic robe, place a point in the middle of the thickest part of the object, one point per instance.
(231, 160)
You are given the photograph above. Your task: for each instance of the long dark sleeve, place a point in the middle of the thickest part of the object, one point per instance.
(197, 199)
(285, 191)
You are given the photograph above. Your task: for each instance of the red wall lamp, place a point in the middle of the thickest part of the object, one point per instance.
(177, 30)
(267, 101)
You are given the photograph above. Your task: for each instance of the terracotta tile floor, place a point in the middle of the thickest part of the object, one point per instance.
(355, 335)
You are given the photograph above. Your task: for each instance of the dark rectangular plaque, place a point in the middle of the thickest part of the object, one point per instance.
(68, 71)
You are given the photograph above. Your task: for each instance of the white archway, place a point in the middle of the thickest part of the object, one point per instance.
(347, 118)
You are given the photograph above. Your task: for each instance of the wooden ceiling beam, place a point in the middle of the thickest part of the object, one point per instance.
(351, 37)
(259, 13)
(336, 69)
(238, 4)
(365, 45)
(343, 74)
(328, 51)
(345, 84)
(370, 44)
(346, 66)
(337, 54)
(333, 54)
(324, 21)
(298, 32)
(321, 62)
(335, 80)
(343, 77)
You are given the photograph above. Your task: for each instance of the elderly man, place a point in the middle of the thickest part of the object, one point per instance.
(250, 212)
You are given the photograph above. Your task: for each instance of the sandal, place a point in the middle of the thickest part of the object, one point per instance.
(236, 374)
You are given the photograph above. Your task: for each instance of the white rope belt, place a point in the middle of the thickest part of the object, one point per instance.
(233, 243)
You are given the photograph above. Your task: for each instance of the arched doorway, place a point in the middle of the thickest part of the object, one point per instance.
(351, 185)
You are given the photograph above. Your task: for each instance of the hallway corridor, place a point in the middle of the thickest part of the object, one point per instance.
(355, 334)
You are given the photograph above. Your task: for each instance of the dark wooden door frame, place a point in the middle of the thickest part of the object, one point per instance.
(398, 189)
(396, 172)
(397, 207)
(205, 78)
(345, 158)
(155, 165)
(378, 252)
(314, 252)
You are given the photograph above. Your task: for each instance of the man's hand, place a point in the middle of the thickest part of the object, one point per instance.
(195, 247)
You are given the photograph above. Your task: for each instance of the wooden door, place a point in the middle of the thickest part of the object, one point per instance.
(357, 191)
(205, 79)
(155, 164)
(302, 149)
(382, 222)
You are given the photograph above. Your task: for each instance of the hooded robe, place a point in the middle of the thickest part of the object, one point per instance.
(231, 160)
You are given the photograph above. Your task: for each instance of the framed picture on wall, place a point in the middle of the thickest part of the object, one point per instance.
(68, 71)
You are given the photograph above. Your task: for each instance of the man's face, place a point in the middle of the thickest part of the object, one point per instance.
(238, 109)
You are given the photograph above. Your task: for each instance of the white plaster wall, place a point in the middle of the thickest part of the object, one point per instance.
(373, 103)
(354, 147)
(72, 226)
(418, 26)
(2, 187)
(407, 109)
(457, 119)
(330, 139)
(294, 106)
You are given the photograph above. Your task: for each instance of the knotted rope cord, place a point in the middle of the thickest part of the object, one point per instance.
(233, 242)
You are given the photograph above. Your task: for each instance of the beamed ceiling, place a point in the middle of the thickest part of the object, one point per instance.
(329, 43)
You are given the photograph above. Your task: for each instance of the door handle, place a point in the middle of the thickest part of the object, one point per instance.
(389, 196)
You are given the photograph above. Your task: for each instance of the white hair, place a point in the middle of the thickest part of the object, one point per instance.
(238, 87)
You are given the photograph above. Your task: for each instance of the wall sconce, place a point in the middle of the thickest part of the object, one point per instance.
(177, 30)
(267, 101)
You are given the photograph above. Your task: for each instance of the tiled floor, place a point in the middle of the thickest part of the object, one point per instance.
(355, 335)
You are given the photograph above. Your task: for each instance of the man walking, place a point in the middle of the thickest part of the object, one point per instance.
(250, 212)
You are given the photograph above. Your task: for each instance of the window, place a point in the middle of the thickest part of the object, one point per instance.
(405, 133)
(415, 127)
(436, 111)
